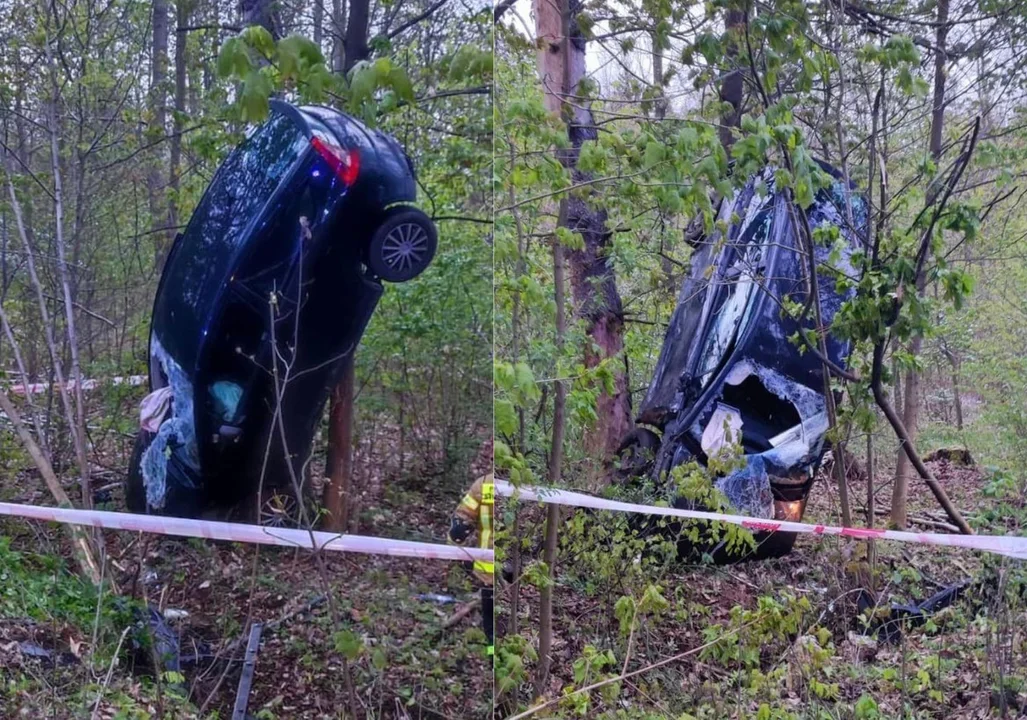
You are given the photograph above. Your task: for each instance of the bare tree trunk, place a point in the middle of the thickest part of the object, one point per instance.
(545, 611)
(213, 50)
(319, 12)
(44, 313)
(900, 488)
(940, 60)
(593, 284)
(25, 379)
(338, 34)
(339, 480)
(81, 546)
(355, 42)
(262, 13)
(731, 86)
(183, 12)
(515, 325)
(78, 419)
(871, 511)
(660, 104)
(956, 399)
(158, 130)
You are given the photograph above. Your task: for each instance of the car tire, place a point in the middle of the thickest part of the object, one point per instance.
(403, 246)
(636, 454)
(135, 488)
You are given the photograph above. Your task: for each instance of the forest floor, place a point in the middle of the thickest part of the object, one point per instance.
(784, 637)
(56, 647)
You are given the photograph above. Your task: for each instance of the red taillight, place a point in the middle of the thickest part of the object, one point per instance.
(344, 163)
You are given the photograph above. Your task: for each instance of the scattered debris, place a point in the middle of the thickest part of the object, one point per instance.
(436, 598)
(959, 456)
(864, 647)
(242, 697)
(901, 615)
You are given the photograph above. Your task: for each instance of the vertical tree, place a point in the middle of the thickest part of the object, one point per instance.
(183, 11)
(911, 399)
(338, 34)
(355, 42)
(337, 489)
(552, 33)
(158, 106)
(262, 13)
(731, 86)
(597, 301)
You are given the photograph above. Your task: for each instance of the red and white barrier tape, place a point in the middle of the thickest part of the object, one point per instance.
(254, 534)
(90, 384)
(1013, 546)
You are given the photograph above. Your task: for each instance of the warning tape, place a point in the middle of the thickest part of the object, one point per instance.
(90, 384)
(1012, 546)
(254, 534)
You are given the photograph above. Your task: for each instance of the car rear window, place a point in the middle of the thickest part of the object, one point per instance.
(199, 266)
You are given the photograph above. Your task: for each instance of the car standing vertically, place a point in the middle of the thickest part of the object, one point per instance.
(262, 300)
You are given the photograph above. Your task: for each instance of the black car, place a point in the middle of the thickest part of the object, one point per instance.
(730, 358)
(287, 249)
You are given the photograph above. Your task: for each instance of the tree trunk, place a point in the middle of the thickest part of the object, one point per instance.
(355, 43)
(78, 419)
(158, 103)
(339, 480)
(183, 11)
(81, 547)
(731, 86)
(319, 12)
(871, 511)
(262, 13)
(593, 284)
(545, 612)
(900, 487)
(660, 104)
(338, 31)
(956, 399)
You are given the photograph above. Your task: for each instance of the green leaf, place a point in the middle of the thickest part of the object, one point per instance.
(506, 417)
(400, 82)
(233, 60)
(655, 152)
(254, 96)
(348, 644)
(378, 659)
(257, 37)
(362, 84)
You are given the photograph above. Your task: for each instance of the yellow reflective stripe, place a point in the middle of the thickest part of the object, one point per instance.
(470, 503)
(486, 539)
(484, 566)
(488, 494)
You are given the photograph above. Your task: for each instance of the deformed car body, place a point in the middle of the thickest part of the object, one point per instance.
(730, 369)
(262, 300)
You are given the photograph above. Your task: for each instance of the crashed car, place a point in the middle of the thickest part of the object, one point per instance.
(731, 371)
(261, 302)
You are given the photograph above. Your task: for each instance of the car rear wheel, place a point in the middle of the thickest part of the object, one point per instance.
(403, 246)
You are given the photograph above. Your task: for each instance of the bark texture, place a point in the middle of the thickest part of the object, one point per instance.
(593, 283)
